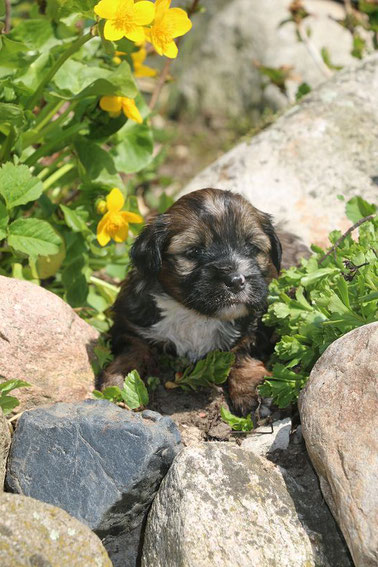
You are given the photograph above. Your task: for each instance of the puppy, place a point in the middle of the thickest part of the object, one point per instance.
(199, 282)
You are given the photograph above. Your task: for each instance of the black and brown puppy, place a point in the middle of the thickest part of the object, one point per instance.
(199, 282)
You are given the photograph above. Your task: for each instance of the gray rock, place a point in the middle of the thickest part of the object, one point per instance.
(263, 440)
(36, 534)
(100, 463)
(339, 416)
(222, 505)
(322, 147)
(44, 342)
(216, 74)
(5, 441)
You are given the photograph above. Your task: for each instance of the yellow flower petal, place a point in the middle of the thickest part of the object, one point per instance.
(136, 34)
(130, 110)
(102, 235)
(115, 201)
(106, 9)
(131, 217)
(170, 50)
(113, 31)
(144, 71)
(178, 22)
(111, 103)
(144, 13)
(121, 233)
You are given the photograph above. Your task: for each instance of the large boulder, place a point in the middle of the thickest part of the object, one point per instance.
(339, 416)
(100, 463)
(5, 441)
(44, 342)
(222, 505)
(322, 147)
(216, 71)
(36, 534)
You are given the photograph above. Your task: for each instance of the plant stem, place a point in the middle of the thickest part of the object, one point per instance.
(35, 98)
(317, 58)
(102, 283)
(165, 72)
(7, 23)
(57, 175)
(47, 113)
(7, 145)
(54, 145)
(343, 236)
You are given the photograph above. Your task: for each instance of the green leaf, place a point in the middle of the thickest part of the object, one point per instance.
(302, 90)
(35, 33)
(58, 9)
(8, 403)
(18, 186)
(135, 151)
(10, 385)
(97, 164)
(11, 113)
(134, 392)
(113, 394)
(73, 220)
(33, 237)
(4, 219)
(78, 80)
(213, 369)
(237, 423)
(357, 208)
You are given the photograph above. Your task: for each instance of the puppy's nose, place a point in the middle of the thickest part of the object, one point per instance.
(236, 282)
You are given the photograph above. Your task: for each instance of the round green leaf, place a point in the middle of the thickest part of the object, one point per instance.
(18, 186)
(34, 237)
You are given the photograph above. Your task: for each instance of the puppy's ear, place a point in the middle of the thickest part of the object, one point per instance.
(275, 244)
(147, 248)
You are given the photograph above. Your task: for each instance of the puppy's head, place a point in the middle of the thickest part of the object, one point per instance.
(213, 252)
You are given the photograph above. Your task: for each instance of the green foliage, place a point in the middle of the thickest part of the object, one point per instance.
(313, 305)
(61, 153)
(302, 90)
(237, 423)
(9, 403)
(211, 370)
(133, 394)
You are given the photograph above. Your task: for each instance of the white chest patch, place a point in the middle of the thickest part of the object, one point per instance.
(193, 335)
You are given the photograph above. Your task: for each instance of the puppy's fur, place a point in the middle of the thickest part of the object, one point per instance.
(199, 282)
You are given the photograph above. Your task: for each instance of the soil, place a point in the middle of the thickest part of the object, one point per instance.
(197, 414)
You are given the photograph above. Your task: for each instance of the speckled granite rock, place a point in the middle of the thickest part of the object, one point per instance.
(320, 148)
(215, 71)
(100, 463)
(5, 440)
(222, 505)
(44, 342)
(35, 534)
(339, 413)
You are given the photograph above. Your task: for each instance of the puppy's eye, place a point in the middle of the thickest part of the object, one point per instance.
(192, 253)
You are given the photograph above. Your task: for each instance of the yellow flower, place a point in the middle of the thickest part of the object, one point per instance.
(114, 105)
(141, 70)
(101, 207)
(125, 18)
(117, 59)
(169, 23)
(115, 223)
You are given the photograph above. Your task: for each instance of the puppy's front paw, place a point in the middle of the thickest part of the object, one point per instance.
(243, 380)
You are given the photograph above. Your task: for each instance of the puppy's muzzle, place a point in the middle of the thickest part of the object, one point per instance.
(235, 282)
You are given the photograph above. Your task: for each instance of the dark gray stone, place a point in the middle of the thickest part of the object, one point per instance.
(100, 463)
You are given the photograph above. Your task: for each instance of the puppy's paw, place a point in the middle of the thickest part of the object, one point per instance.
(243, 380)
(114, 374)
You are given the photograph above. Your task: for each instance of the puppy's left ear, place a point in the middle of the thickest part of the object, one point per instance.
(147, 248)
(275, 244)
